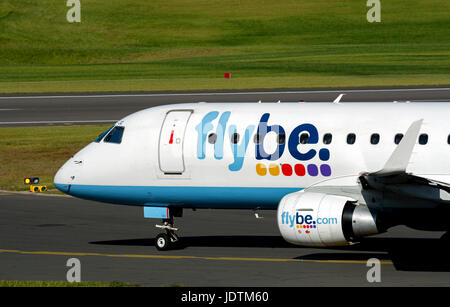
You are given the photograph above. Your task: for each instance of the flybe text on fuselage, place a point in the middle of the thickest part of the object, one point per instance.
(239, 147)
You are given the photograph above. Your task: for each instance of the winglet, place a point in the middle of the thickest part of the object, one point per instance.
(399, 159)
(338, 99)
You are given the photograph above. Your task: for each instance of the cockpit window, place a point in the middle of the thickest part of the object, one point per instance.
(100, 137)
(115, 135)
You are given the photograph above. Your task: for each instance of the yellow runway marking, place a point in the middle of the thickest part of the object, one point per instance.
(186, 257)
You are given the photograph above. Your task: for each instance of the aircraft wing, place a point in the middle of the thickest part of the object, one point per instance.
(394, 170)
(393, 177)
(399, 160)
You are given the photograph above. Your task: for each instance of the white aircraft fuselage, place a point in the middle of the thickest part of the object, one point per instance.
(251, 155)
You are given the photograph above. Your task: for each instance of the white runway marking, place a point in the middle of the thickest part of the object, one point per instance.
(227, 93)
(431, 100)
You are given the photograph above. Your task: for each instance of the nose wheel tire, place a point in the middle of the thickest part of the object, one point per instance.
(162, 242)
(167, 240)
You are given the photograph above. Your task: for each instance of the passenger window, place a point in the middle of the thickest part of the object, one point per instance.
(351, 138)
(281, 138)
(423, 139)
(100, 137)
(212, 138)
(374, 139)
(304, 138)
(398, 138)
(327, 138)
(235, 138)
(115, 135)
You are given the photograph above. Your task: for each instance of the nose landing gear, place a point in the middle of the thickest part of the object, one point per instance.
(169, 239)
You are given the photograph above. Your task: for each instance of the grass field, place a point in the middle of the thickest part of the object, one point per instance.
(16, 283)
(39, 151)
(189, 44)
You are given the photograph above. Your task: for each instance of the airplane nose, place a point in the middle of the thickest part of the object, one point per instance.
(65, 188)
(61, 180)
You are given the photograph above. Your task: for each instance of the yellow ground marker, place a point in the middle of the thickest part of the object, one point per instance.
(186, 257)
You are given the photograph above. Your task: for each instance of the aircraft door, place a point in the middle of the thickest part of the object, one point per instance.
(171, 141)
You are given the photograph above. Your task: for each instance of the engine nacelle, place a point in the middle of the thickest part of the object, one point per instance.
(319, 219)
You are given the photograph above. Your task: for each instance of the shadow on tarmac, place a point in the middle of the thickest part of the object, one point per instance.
(428, 255)
(211, 241)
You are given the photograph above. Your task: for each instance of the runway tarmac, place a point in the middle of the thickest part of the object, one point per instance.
(38, 234)
(57, 109)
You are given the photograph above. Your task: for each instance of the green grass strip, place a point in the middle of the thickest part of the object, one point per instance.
(39, 151)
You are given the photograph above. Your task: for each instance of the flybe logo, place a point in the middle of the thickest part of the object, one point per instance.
(240, 140)
(306, 222)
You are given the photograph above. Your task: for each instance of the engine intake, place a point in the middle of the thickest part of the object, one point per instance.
(319, 219)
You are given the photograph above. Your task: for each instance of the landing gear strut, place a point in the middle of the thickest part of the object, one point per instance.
(169, 239)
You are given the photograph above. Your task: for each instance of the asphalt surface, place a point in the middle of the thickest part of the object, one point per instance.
(38, 234)
(57, 109)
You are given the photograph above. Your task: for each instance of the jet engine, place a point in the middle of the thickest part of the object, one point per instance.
(319, 219)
